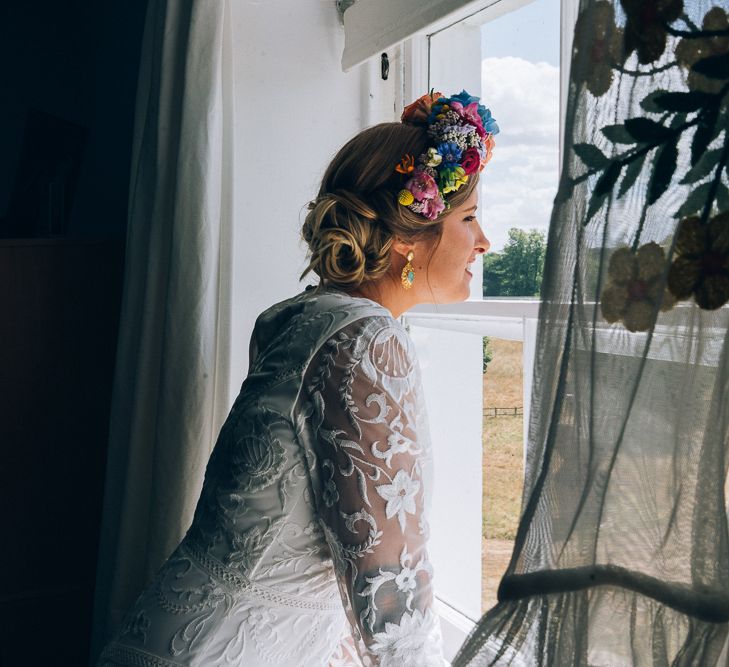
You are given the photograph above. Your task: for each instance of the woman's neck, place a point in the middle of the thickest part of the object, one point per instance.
(389, 293)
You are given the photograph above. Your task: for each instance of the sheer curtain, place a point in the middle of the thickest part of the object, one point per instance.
(171, 386)
(622, 553)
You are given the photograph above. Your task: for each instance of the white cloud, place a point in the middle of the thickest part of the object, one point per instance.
(520, 183)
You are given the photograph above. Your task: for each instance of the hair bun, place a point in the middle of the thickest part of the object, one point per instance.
(346, 243)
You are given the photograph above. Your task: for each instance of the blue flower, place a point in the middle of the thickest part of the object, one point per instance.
(464, 98)
(489, 124)
(451, 152)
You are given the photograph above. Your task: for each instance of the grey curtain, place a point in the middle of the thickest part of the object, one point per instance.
(171, 384)
(622, 552)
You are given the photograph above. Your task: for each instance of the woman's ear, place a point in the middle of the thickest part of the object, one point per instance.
(401, 247)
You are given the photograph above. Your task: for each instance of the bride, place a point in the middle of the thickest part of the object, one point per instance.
(308, 545)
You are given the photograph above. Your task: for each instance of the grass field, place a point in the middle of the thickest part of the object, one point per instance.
(503, 451)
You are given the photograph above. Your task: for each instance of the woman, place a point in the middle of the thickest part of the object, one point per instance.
(320, 476)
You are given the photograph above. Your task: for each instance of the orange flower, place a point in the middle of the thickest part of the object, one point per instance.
(489, 142)
(406, 165)
(418, 112)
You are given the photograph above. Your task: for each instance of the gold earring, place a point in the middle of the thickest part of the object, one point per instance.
(408, 272)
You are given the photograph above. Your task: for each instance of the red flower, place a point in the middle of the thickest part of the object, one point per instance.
(471, 161)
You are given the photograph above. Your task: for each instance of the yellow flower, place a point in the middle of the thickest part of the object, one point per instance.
(635, 287)
(405, 197)
(457, 179)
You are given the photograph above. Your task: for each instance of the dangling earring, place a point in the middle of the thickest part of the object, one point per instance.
(408, 272)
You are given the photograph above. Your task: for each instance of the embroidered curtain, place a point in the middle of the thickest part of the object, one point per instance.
(171, 385)
(622, 553)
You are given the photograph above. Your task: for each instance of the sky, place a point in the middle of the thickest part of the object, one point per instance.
(520, 84)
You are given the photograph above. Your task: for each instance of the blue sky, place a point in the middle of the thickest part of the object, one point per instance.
(532, 32)
(520, 84)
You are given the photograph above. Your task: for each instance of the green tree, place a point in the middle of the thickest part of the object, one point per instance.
(518, 269)
(492, 274)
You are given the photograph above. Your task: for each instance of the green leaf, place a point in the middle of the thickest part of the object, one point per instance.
(692, 101)
(722, 197)
(590, 155)
(664, 166)
(695, 201)
(596, 201)
(703, 135)
(606, 182)
(648, 103)
(646, 130)
(617, 134)
(631, 174)
(715, 67)
(705, 165)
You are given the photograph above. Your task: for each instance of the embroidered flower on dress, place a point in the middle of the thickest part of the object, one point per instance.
(413, 642)
(400, 497)
(645, 27)
(397, 443)
(701, 267)
(635, 287)
(405, 580)
(259, 457)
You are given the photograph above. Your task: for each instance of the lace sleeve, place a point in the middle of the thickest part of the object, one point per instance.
(372, 455)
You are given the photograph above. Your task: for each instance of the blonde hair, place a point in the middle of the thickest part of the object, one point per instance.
(352, 223)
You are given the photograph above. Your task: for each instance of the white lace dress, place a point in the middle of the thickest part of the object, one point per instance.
(308, 545)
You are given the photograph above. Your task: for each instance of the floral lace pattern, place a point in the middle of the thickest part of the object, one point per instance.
(314, 495)
(370, 437)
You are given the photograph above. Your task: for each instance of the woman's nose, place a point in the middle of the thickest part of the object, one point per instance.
(482, 243)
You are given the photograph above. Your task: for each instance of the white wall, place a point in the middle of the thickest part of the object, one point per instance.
(295, 108)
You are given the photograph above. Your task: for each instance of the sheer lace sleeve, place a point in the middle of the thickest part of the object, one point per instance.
(373, 458)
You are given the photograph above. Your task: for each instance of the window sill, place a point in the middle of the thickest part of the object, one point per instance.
(455, 627)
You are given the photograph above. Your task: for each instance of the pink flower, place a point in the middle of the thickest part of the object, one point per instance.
(422, 185)
(432, 208)
(470, 114)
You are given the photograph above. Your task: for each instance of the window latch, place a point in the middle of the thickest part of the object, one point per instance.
(384, 66)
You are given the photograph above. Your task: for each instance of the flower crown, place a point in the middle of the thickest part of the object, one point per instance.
(463, 133)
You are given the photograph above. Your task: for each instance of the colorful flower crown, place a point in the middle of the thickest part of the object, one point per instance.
(463, 133)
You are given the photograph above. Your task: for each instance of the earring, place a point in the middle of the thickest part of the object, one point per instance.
(408, 272)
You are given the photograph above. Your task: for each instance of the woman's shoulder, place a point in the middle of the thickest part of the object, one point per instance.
(307, 320)
(323, 303)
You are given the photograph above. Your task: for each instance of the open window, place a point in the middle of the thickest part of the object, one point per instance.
(509, 54)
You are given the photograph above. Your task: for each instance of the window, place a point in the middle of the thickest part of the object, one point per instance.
(518, 77)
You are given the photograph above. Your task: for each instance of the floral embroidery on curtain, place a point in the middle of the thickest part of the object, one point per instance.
(622, 553)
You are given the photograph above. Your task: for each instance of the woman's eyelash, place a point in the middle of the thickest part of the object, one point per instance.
(469, 218)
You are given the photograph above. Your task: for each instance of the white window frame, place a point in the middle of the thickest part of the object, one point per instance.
(499, 318)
